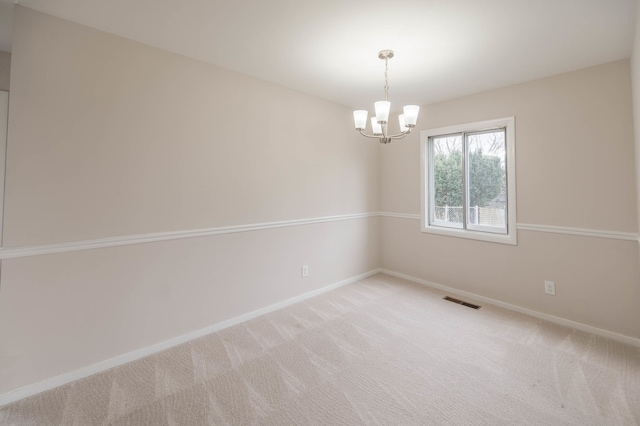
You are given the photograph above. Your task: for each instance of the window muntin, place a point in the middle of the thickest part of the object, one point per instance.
(469, 181)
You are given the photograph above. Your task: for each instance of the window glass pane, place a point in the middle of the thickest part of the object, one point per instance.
(447, 179)
(487, 179)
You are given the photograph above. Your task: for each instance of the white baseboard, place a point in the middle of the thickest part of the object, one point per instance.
(72, 376)
(557, 320)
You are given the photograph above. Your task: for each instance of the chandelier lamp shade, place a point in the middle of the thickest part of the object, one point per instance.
(379, 123)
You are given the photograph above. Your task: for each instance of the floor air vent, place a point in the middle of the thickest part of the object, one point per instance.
(460, 302)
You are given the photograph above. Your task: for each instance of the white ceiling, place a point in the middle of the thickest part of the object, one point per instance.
(444, 48)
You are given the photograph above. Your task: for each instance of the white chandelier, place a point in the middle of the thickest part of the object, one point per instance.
(379, 122)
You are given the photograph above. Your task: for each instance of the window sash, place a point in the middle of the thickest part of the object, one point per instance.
(432, 191)
(465, 224)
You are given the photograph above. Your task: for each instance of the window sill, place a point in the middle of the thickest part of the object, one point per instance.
(511, 238)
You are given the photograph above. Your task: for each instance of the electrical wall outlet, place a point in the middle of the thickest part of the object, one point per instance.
(305, 271)
(550, 288)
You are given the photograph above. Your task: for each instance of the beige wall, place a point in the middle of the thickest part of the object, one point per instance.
(635, 80)
(5, 70)
(575, 168)
(108, 137)
(131, 139)
(61, 312)
(574, 149)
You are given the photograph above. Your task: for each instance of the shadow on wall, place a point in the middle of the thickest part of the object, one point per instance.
(5, 70)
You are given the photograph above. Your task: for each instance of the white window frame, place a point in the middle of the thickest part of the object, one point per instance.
(478, 233)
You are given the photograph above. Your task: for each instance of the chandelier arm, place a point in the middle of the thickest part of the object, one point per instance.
(383, 136)
(399, 135)
(369, 136)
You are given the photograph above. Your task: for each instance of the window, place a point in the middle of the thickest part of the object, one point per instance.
(469, 181)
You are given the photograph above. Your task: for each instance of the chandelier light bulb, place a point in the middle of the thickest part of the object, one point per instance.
(411, 115)
(382, 111)
(403, 127)
(360, 118)
(376, 127)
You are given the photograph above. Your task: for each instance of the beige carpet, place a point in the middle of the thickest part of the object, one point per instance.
(380, 351)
